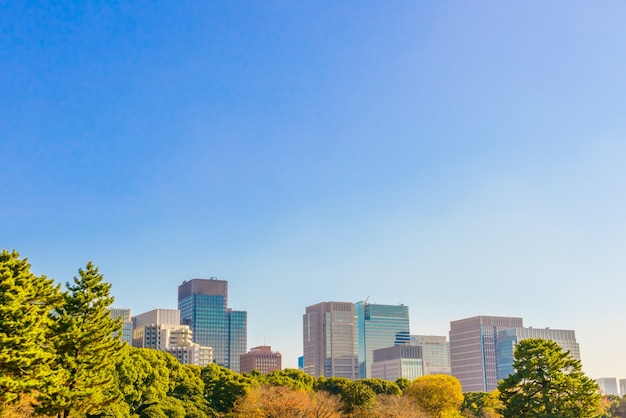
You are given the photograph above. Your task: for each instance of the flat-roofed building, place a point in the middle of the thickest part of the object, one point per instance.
(392, 363)
(160, 329)
(330, 340)
(262, 359)
(379, 326)
(435, 353)
(473, 350)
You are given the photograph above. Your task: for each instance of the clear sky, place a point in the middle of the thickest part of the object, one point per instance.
(462, 158)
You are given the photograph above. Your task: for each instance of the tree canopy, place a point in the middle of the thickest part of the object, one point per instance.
(26, 302)
(547, 383)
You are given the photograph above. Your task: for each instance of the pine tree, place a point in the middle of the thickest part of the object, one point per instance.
(26, 302)
(87, 347)
(547, 383)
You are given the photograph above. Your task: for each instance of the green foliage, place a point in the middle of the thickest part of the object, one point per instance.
(223, 387)
(403, 383)
(439, 395)
(382, 387)
(547, 383)
(358, 396)
(615, 406)
(333, 385)
(292, 378)
(480, 404)
(26, 302)
(142, 377)
(86, 348)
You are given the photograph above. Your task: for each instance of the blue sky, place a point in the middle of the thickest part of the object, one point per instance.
(463, 158)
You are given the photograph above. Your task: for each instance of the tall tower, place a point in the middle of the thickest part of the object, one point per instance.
(203, 305)
(330, 340)
(473, 350)
(379, 326)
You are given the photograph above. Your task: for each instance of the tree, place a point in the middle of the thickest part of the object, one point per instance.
(274, 402)
(394, 406)
(439, 395)
(358, 397)
(222, 387)
(87, 346)
(481, 404)
(26, 302)
(547, 383)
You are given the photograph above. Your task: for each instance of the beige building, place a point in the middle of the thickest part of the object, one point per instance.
(473, 350)
(160, 329)
(330, 340)
(392, 363)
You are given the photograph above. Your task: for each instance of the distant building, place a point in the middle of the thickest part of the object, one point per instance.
(435, 353)
(507, 339)
(391, 363)
(473, 350)
(330, 340)
(203, 305)
(608, 385)
(160, 329)
(126, 333)
(260, 358)
(379, 326)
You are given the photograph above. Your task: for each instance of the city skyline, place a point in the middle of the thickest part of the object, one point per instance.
(462, 159)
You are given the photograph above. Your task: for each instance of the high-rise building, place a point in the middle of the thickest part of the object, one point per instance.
(392, 363)
(126, 333)
(203, 305)
(379, 326)
(622, 387)
(435, 353)
(330, 340)
(262, 359)
(608, 385)
(160, 329)
(473, 350)
(508, 339)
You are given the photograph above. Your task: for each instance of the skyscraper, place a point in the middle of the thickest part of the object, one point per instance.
(203, 305)
(508, 339)
(473, 350)
(330, 340)
(379, 326)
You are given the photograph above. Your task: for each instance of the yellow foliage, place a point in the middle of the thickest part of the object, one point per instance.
(438, 395)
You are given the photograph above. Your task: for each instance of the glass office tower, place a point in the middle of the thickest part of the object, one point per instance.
(203, 305)
(379, 326)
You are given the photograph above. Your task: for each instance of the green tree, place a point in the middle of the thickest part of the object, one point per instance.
(26, 301)
(142, 378)
(382, 386)
(87, 346)
(332, 385)
(481, 404)
(439, 395)
(223, 387)
(358, 397)
(547, 383)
